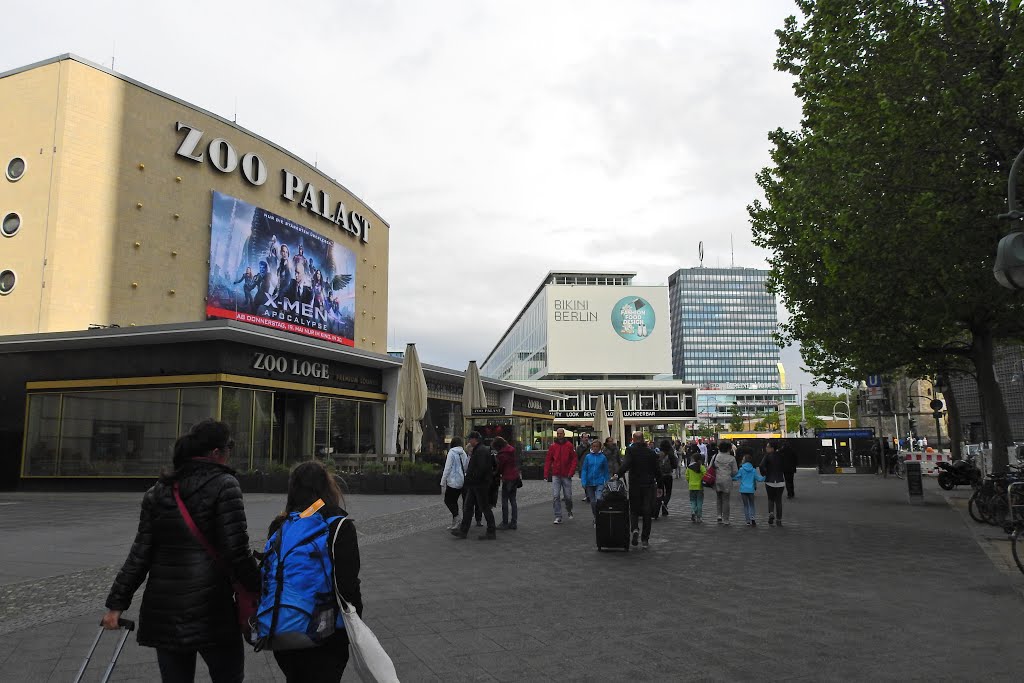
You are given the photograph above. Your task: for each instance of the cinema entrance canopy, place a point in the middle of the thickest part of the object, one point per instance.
(109, 403)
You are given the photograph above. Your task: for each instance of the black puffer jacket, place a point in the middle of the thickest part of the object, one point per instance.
(188, 603)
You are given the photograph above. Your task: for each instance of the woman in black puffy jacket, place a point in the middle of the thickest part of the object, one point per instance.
(188, 605)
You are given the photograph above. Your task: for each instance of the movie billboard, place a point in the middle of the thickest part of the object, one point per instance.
(270, 271)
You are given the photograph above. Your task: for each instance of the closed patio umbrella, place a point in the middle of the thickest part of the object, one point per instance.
(600, 420)
(473, 394)
(618, 423)
(412, 397)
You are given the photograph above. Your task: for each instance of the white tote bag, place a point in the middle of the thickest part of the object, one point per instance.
(367, 656)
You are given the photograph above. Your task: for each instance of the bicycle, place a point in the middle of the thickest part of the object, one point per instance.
(1015, 504)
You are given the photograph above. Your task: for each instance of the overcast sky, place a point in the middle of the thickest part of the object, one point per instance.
(500, 140)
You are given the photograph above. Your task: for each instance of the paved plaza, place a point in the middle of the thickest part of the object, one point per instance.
(858, 585)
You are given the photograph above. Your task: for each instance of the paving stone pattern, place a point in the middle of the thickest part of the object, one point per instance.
(858, 585)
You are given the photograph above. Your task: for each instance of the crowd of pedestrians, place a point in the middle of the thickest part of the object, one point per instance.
(650, 469)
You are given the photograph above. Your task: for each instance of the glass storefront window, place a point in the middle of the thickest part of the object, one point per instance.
(42, 438)
(197, 404)
(236, 410)
(371, 425)
(262, 426)
(344, 421)
(118, 433)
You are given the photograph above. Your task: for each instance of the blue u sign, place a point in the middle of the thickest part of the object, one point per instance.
(874, 381)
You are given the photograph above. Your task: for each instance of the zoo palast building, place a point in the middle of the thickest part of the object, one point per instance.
(160, 264)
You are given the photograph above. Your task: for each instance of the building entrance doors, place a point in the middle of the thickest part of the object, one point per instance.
(292, 439)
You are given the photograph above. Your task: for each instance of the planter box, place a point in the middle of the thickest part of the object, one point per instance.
(374, 483)
(399, 483)
(426, 483)
(263, 483)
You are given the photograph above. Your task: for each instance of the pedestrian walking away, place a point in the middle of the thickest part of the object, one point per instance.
(642, 465)
(695, 472)
(726, 468)
(614, 455)
(668, 462)
(773, 469)
(748, 476)
(581, 451)
(479, 475)
(559, 466)
(789, 469)
(508, 471)
(454, 478)
(295, 551)
(188, 607)
(594, 474)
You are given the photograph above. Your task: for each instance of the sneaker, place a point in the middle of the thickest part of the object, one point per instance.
(558, 520)
(700, 520)
(664, 510)
(748, 522)
(645, 545)
(479, 523)
(778, 523)
(585, 499)
(513, 527)
(727, 523)
(771, 520)
(719, 519)
(570, 514)
(636, 537)
(693, 518)
(459, 533)
(503, 527)
(753, 522)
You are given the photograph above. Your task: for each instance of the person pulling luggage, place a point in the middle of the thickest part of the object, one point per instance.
(642, 465)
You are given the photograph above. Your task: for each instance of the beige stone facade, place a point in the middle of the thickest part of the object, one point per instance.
(115, 224)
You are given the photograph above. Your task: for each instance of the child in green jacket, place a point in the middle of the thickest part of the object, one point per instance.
(695, 472)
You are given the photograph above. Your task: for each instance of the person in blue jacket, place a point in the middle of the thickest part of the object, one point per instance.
(748, 477)
(593, 474)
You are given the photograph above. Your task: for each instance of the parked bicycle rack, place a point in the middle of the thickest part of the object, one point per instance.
(1016, 511)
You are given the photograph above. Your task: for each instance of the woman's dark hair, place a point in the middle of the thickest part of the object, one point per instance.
(310, 481)
(456, 441)
(183, 449)
(498, 443)
(665, 445)
(724, 446)
(775, 444)
(208, 435)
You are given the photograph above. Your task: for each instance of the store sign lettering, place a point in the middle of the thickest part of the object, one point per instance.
(292, 366)
(224, 158)
(574, 311)
(589, 414)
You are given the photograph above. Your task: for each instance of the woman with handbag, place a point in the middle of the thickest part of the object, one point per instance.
(725, 466)
(313, 491)
(189, 605)
(454, 478)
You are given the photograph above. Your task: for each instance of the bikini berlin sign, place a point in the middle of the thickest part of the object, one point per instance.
(224, 158)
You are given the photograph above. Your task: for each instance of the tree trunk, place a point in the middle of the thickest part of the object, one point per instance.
(953, 420)
(995, 410)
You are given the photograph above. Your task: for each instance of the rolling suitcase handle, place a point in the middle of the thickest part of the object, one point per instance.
(128, 626)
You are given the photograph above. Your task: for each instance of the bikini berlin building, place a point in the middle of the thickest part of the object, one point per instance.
(160, 264)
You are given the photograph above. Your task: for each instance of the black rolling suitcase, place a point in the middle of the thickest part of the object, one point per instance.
(127, 626)
(612, 528)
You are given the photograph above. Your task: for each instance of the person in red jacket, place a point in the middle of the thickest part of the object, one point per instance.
(559, 467)
(508, 470)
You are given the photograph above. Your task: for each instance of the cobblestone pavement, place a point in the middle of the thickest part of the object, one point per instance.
(858, 585)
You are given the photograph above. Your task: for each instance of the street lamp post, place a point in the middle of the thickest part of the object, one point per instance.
(1009, 265)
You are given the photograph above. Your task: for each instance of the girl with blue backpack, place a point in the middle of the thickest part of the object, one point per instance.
(311, 557)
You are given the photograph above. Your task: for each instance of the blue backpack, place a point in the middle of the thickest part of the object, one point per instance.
(297, 606)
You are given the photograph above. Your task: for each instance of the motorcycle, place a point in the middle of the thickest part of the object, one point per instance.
(958, 473)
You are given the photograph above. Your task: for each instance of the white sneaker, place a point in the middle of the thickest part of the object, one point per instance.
(557, 520)
(570, 514)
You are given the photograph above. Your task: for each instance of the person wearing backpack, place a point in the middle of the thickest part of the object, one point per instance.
(453, 479)
(668, 461)
(314, 547)
(188, 607)
(695, 472)
(724, 464)
(479, 475)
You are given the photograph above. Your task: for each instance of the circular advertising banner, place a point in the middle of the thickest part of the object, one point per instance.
(633, 318)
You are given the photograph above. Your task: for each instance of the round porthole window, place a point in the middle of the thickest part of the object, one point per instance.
(11, 225)
(15, 169)
(7, 281)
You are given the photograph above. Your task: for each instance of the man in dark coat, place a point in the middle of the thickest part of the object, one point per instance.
(642, 464)
(479, 476)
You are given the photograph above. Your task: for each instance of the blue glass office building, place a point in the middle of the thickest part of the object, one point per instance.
(723, 320)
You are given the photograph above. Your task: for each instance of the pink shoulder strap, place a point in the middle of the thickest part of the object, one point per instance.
(190, 523)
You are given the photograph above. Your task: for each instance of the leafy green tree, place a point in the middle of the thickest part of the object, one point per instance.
(736, 421)
(768, 423)
(793, 420)
(879, 210)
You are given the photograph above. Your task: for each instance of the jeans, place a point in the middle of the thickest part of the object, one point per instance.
(641, 500)
(789, 483)
(451, 500)
(595, 494)
(477, 501)
(561, 486)
(322, 664)
(723, 503)
(225, 662)
(666, 483)
(749, 509)
(508, 497)
(774, 500)
(697, 502)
